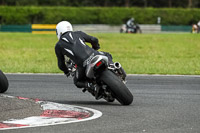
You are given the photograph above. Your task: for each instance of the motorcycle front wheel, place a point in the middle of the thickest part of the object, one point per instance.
(3, 82)
(139, 30)
(117, 87)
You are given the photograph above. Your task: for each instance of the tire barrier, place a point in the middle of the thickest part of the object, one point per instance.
(43, 28)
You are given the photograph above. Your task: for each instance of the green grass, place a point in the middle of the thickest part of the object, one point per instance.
(138, 53)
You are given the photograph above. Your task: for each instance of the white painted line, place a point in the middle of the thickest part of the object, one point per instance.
(167, 75)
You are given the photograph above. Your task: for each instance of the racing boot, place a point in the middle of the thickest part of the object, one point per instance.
(95, 90)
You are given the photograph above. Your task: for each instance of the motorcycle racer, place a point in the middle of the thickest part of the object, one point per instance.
(72, 44)
(130, 24)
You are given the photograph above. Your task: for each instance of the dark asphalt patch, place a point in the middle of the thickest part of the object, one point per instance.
(14, 108)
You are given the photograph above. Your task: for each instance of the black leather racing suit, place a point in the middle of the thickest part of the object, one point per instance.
(72, 44)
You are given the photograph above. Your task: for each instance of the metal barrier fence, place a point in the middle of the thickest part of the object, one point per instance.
(90, 28)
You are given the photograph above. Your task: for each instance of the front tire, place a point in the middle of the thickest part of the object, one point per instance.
(139, 31)
(3, 82)
(117, 87)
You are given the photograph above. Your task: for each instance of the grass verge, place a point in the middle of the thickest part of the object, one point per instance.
(138, 53)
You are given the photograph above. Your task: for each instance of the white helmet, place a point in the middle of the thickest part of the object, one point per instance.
(62, 27)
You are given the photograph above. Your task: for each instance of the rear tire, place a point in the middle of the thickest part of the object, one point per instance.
(117, 87)
(3, 82)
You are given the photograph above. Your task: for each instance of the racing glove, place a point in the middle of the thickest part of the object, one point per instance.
(96, 47)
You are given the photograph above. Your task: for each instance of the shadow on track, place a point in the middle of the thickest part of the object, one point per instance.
(97, 103)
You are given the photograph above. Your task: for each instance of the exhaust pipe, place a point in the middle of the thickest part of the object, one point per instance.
(117, 65)
(119, 68)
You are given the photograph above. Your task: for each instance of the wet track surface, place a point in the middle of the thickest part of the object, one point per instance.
(164, 104)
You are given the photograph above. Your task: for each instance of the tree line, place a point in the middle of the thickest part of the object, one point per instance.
(105, 3)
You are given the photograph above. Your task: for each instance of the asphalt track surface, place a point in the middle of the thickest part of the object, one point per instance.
(162, 104)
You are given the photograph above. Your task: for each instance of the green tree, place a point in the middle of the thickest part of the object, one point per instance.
(105, 3)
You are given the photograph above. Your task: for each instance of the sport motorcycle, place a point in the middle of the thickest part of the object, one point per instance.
(135, 29)
(108, 80)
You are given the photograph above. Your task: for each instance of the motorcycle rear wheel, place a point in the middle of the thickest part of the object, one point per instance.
(3, 82)
(117, 87)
